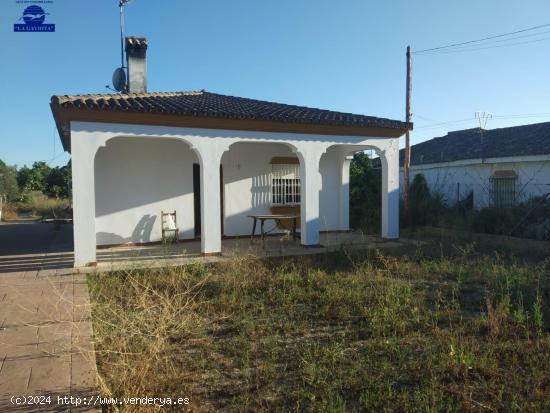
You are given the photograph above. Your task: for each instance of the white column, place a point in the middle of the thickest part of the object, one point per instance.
(83, 150)
(390, 191)
(310, 182)
(343, 220)
(210, 155)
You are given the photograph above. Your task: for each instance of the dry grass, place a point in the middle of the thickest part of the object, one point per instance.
(38, 206)
(455, 330)
(9, 212)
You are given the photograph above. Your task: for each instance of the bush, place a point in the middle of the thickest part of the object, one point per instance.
(8, 182)
(530, 219)
(493, 220)
(37, 205)
(465, 206)
(365, 194)
(426, 208)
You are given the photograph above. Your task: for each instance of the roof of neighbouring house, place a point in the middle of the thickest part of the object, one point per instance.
(208, 105)
(524, 140)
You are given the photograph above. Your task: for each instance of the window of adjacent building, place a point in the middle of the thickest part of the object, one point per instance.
(503, 189)
(285, 182)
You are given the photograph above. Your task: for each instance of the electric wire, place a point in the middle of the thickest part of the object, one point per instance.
(473, 49)
(509, 116)
(469, 42)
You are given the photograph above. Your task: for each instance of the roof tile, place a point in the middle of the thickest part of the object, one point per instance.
(207, 104)
(524, 140)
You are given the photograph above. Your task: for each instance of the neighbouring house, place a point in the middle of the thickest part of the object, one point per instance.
(498, 167)
(214, 159)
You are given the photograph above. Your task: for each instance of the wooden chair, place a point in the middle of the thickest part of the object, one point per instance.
(169, 225)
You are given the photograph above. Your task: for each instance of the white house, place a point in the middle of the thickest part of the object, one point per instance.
(214, 159)
(500, 167)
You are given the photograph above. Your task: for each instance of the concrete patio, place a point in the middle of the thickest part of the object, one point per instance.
(159, 255)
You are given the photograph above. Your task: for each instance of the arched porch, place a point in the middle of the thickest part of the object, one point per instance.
(320, 164)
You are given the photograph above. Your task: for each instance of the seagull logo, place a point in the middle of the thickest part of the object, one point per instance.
(33, 15)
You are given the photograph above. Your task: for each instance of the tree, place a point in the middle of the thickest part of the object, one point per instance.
(426, 207)
(35, 178)
(365, 193)
(8, 181)
(58, 182)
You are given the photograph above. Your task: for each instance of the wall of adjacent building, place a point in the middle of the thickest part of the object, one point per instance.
(456, 181)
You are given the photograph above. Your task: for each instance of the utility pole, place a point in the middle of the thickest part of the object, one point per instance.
(407, 161)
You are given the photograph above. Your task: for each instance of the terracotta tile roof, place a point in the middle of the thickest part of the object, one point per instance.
(214, 105)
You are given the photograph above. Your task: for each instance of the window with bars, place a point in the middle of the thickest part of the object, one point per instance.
(503, 189)
(285, 184)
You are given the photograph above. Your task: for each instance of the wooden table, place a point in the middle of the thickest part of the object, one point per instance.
(276, 218)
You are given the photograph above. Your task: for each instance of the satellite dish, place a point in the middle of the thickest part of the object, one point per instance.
(119, 79)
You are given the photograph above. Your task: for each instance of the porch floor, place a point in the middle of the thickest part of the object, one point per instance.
(185, 252)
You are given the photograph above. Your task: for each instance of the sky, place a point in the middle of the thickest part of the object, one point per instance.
(346, 55)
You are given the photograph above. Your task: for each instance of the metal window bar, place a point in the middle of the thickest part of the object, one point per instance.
(502, 191)
(285, 184)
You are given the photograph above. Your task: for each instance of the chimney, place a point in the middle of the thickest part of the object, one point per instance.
(136, 50)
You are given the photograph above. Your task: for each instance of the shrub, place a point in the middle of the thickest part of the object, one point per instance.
(493, 220)
(530, 219)
(8, 182)
(365, 194)
(426, 208)
(37, 205)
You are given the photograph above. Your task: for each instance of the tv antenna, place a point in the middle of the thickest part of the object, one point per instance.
(483, 118)
(119, 75)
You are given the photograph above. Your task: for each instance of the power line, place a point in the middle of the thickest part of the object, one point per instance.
(469, 42)
(436, 125)
(493, 42)
(526, 115)
(509, 116)
(501, 40)
(425, 118)
(473, 49)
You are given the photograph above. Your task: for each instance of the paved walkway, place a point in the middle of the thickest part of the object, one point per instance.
(45, 322)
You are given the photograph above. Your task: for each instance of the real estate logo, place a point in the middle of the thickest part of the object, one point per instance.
(33, 17)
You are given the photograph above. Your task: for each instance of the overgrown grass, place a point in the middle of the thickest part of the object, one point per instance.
(37, 206)
(436, 328)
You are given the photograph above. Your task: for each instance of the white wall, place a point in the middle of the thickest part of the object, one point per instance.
(136, 179)
(533, 179)
(247, 186)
